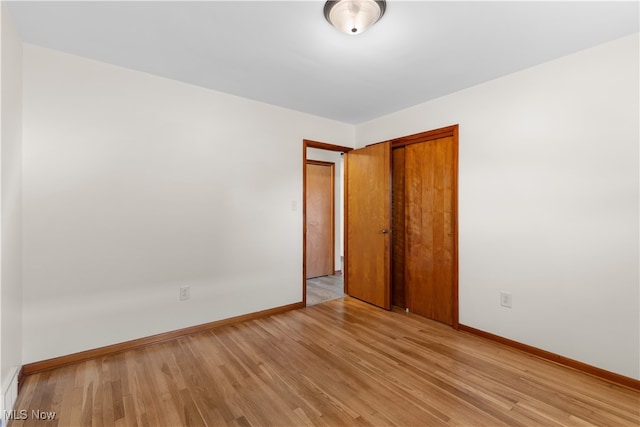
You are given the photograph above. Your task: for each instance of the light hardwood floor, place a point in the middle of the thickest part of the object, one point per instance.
(342, 362)
(325, 288)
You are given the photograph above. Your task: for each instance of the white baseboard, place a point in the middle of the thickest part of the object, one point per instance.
(9, 395)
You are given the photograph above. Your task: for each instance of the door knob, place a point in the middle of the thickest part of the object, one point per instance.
(385, 231)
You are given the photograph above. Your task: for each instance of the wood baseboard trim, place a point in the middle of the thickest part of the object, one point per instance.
(602, 374)
(45, 365)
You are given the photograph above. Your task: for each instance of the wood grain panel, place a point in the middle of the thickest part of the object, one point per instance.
(430, 265)
(368, 224)
(320, 213)
(397, 227)
(341, 363)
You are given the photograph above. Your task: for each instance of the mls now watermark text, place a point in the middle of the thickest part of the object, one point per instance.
(34, 414)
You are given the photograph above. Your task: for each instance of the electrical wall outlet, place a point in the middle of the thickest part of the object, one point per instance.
(505, 299)
(185, 293)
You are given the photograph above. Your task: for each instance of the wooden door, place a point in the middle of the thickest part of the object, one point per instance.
(430, 205)
(398, 228)
(368, 224)
(320, 214)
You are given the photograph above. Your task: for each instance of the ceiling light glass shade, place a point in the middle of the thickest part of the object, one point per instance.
(354, 16)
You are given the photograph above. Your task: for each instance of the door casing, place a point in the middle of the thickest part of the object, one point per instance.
(307, 143)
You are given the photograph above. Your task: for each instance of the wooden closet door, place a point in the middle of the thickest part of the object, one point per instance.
(398, 228)
(429, 229)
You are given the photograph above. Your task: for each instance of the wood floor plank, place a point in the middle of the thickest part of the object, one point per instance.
(338, 363)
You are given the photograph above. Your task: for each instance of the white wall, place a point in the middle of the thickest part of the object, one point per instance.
(11, 200)
(135, 185)
(334, 157)
(548, 202)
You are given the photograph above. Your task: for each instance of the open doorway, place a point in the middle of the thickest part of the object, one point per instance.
(323, 219)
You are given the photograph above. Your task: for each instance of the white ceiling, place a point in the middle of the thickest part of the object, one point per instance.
(285, 53)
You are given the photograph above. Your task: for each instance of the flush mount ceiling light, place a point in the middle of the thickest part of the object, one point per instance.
(354, 16)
